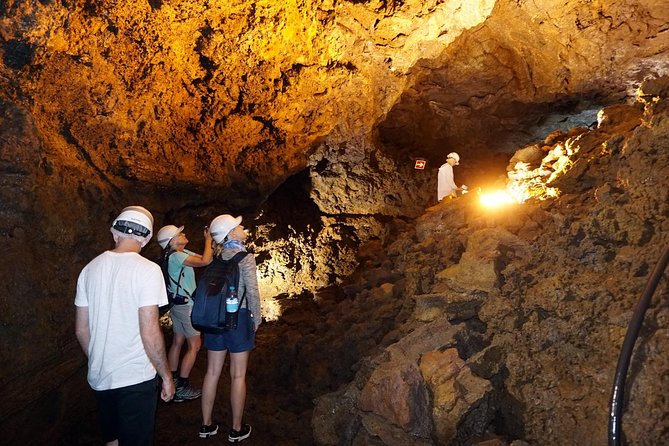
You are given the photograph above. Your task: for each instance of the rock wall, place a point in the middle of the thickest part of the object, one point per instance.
(198, 108)
(241, 94)
(222, 94)
(527, 65)
(519, 314)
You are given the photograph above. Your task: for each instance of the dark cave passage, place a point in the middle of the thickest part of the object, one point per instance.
(493, 318)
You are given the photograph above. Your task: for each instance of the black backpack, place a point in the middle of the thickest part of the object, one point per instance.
(208, 315)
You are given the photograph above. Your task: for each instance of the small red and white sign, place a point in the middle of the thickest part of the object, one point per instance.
(420, 164)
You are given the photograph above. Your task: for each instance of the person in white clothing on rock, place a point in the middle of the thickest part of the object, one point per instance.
(446, 186)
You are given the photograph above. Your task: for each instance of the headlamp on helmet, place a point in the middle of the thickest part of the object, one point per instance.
(134, 220)
(128, 227)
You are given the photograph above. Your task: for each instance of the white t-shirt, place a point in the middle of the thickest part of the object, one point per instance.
(114, 286)
(445, 184)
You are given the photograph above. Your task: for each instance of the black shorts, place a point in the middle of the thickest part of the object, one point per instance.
(128, 414)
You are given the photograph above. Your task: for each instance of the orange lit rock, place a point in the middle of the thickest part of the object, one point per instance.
(193, 108)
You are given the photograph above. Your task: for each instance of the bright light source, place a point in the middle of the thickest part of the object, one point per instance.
(497, 199)
(525, 182)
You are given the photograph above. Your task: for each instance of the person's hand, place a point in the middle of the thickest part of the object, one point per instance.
(168, 390)
(207, 234)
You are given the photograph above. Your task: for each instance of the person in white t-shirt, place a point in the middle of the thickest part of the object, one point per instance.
(446, 186)
(118, 294)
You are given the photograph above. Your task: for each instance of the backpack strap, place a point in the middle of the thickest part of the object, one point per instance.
(236, 259)
(177, 283)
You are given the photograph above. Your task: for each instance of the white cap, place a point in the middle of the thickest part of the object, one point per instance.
(134, 220)
(221, 226)
(167, 233)
(454, 156)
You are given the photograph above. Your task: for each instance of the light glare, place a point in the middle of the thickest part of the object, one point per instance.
(497, 199)
(525, 182)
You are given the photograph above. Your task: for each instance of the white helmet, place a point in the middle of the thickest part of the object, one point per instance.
(222, 225)
(167, 233)
(454, 156)
(134, 221)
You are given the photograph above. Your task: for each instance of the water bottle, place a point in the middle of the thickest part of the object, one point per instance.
(231, 301)
(231, 307)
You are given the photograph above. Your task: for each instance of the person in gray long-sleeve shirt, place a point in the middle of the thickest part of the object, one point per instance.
(248, 283)
(228, 235)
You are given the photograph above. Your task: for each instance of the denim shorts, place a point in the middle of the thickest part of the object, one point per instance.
(243, 339)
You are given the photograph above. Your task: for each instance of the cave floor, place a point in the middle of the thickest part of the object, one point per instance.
(276, 416)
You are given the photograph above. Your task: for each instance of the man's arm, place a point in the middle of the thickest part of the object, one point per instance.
(81, 329)
(154, 345)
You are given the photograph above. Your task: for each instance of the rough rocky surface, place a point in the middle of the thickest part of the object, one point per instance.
(318, 110)
(480, 327)
(535, 300)
(238, 95)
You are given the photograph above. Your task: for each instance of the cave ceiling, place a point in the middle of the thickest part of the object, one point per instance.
(238, 94)
(321, 104)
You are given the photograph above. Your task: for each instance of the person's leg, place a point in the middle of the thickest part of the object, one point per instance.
(215, 362)
(238, 364)
(137, 413)
(175, 350)
(194, 343)
(108, 415)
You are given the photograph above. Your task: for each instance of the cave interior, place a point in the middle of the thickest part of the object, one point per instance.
(389, 318)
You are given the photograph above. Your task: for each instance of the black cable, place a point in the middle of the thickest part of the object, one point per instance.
(618, 394)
